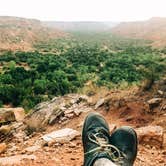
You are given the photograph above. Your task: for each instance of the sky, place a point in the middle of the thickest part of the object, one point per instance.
(84, 10)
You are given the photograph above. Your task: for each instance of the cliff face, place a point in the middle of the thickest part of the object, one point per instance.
(21, 34)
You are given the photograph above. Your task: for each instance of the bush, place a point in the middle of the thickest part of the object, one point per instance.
(73, 64)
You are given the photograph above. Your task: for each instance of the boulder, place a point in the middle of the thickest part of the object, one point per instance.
(3, 147)
(50, 112)
(151, 135)
(60, 136)
(8, 115)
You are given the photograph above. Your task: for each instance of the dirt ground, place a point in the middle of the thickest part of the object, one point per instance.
(132, 113)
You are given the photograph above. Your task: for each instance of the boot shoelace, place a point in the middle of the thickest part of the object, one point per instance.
(103, 146)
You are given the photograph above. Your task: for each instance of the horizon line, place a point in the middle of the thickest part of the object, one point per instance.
(113, 21)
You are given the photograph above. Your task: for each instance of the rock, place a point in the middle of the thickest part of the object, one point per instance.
(78, 111)
(69, 111)
(151, 135)
(15, 159)
(6, 116)
(18, 126)
(52, 120)
(118, 103)
(3, 147)
(19, 113)
(160, 92)
(10, 130)
(62, 119)
(32, 148)
(99, 103)
(154, 102)
(52, 111)
(70, 115)
(60, 136)
(163, 107)
(12, 127)
(5, 129)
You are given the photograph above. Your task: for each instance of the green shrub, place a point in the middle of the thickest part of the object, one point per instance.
(101, 59)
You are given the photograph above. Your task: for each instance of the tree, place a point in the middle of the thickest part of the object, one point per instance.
(40, 86)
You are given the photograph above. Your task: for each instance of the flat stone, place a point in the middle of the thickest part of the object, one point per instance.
(69, 111)
(151, 135)
(32, 148)
(15, 159)
(61, 136)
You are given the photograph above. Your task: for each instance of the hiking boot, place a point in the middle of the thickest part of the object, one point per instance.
(96, 140)
(125, 139)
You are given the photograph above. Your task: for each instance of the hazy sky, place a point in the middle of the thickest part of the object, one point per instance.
(84, 10)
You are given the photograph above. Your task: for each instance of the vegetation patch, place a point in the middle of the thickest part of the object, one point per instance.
(28, 78)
